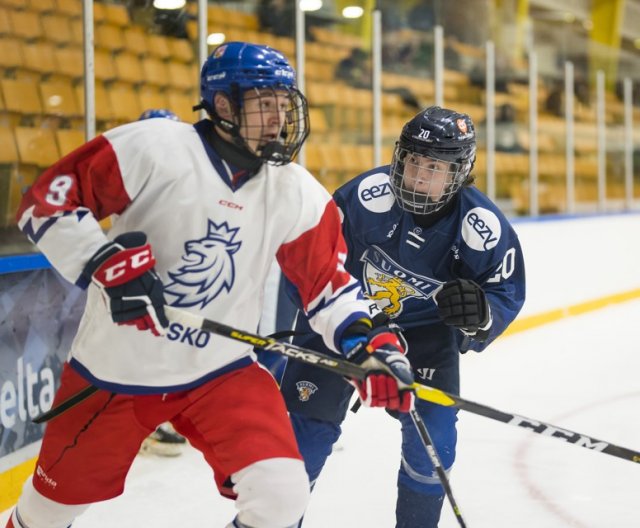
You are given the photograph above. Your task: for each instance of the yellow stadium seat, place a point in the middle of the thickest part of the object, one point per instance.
(151, 97)
(247, 20)
(69, 140)
(192, 29)
(218, 16)
(320, 71)
(318, 121)
(57, 28)
(36, 146)
(366, 156)
(39, 57)
(182, 106)
(21, 97)
(117, 15)
(314, 161)
(77, 35)
(386, 154)
(26, 24)
(19, 4)
(158, 46)
(135, 40)
(104, 66)
(5, 23)
(58, 98)
(321, 94)
(183, 76)
(109, 37)
(181, 50)
(287, 46)
(128, 68)
(124, 103)
(99, 13)
(10, 53)
(103, 108)
(70, 61)
(43, 6)
(350, 159)
(155, 72)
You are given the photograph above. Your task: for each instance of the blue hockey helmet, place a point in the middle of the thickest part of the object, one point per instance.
(432, 159)
(158, 112)
(242, 70)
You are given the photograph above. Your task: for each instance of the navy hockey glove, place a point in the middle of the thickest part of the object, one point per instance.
(123, 270)
(389, 375)
(463, 304)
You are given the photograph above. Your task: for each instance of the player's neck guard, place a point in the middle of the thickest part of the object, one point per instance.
(238, 156)
(428, 220)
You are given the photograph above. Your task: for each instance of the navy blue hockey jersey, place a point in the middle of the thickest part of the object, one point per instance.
(401, 264)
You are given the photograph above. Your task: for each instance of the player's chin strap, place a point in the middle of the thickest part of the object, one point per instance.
(342, 367)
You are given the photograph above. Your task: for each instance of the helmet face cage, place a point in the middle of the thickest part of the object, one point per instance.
(260, 85)
(273, 123)
(424, 184)
(432, 160)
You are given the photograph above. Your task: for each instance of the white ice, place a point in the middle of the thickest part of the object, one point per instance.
(580, 373)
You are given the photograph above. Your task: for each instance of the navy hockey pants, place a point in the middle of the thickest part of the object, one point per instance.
(316, 438)
(318, 402)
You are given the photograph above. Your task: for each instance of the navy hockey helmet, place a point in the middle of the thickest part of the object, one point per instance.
(245, 72)
(432, 159)
(158, 112)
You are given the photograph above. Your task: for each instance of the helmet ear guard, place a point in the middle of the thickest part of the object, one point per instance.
(432, 160)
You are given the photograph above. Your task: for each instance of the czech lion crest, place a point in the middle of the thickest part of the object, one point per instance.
(207, 268)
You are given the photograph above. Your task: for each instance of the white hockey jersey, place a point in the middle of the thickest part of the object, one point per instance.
(214, 241)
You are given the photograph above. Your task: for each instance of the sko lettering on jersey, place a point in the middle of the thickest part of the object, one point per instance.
(125, 265)
(188, 335)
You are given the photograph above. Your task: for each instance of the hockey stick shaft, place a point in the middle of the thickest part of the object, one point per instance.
(430, 394)
(427, 442)
(351, 370)
(64, 406)
(536, 426)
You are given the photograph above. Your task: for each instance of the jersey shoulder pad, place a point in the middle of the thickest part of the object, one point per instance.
(483, 226)
(369, 191)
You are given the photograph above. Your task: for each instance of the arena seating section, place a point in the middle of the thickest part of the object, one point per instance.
(42, 99)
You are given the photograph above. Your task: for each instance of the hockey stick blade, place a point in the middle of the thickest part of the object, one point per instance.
(430, 394)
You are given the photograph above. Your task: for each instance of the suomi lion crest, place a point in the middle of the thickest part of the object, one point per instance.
(387, 291)
(207, 267)
(390, 285)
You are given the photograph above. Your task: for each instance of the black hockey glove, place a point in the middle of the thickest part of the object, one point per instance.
(389, 375)
(123, 270)
(463, 304)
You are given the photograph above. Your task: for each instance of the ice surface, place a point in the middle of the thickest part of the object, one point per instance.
(580, 373)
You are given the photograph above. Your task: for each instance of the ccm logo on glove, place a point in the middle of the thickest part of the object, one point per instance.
(125, 265)
(123, 270)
